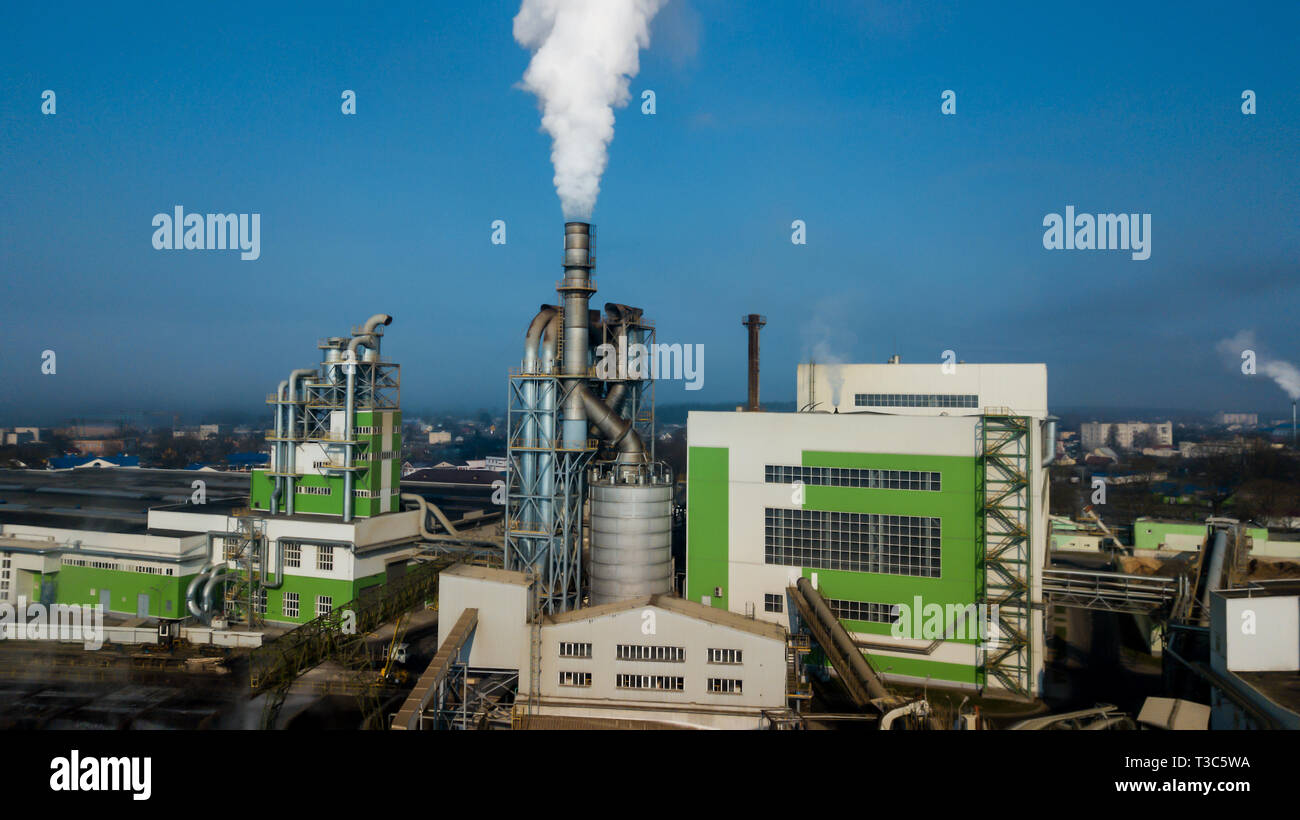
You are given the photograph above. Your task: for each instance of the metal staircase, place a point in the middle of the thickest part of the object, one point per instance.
(1003, 550)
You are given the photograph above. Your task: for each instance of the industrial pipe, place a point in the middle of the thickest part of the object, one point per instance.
(373, 323)
(191, 591)
(1050, 444)
(845, 646)
(542, 323)
(350, 417)
(292, 435)
(277, 494)
(576, 288)
(613, 427)
(1216, 553)
(210, 586)
(425, 508)
(916, 707)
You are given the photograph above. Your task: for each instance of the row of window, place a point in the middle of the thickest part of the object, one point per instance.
(863, 611)
(293, 555)
(291, 604)
(377, 493)
(854, 477)
(856, 542)
(915, 400)
(113, 565)
(657, 683)
(642, 652)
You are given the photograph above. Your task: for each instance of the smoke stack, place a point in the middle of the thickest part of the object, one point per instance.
(1293, 425)
(753, 321)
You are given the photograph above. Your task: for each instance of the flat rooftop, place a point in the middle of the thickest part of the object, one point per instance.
(119, 499)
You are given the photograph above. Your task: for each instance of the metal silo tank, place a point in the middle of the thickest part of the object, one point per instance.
(631, 540)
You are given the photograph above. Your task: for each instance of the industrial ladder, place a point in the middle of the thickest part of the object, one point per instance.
(1004, 548)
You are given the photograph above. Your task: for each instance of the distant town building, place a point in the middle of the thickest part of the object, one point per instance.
(20, 435)
(1096, 434)
(1238, 419)
(439, 437)
(1201, 449)
(207, 431)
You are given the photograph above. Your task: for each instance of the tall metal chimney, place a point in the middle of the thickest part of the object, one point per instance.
(1293, 442)
(753, 321)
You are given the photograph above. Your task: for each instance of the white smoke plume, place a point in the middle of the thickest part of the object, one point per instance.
(584, 54)
(1285, 374)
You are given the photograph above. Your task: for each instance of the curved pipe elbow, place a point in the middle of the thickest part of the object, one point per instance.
(368, 329)
(536, 327)
(613, 427)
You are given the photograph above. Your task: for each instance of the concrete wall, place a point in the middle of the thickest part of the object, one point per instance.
(502, 639)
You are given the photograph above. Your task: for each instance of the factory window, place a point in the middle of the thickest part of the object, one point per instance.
(259, 601)
(915, 400)
(724, 656)
(575, 650)
(724, 686)
(863, 611)
(315, 491)
(927, 480)
(660, 683)
(856, 542)
(641, 652)
(575, 679)
(292, 555)
(291, 605)
(325, 557)
(324, 605)
(773, 603)
(103, 565)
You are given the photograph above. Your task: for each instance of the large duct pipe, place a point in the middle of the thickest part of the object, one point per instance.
(369, 340)
(1214, 558)
(278, 447)
(425, 508)
(614, 428)
(535, 359)
(846, 647)
(576, 290)
(291, 434)
(753, 322)
(192, 590)
(208, 604)
(1049, 445)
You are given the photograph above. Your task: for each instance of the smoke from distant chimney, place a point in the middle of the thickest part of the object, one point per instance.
(584, 54)
(1283, 373)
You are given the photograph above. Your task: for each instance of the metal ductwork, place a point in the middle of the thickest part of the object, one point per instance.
(291, 434)
(631, 496)
(575, 290)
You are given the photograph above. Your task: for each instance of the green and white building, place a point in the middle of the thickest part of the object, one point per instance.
(323, 523)
(927, 488)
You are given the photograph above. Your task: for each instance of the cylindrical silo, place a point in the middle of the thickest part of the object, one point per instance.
(631, 540)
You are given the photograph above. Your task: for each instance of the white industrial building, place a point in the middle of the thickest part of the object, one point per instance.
(874, 496)
(652, 659)
(1255, 656)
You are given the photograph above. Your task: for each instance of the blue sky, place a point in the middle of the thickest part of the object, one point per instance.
(924, 231)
